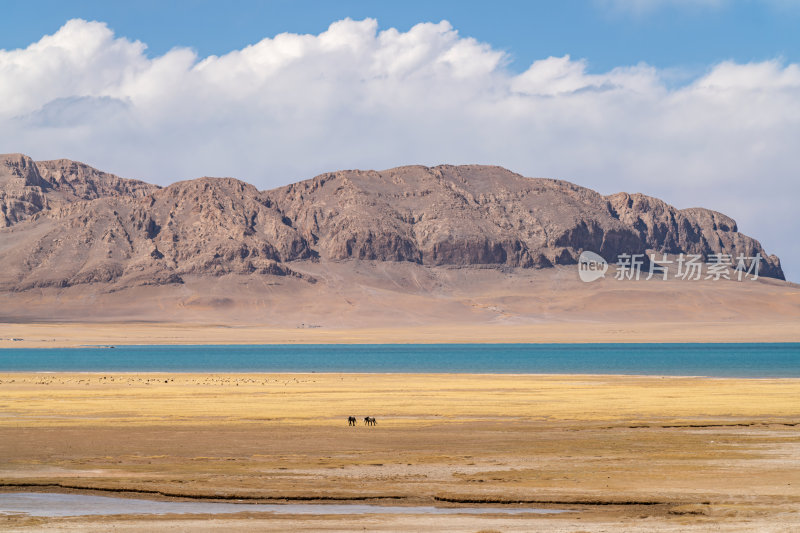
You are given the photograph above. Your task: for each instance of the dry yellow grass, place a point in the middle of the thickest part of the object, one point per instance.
(398, 399)
(645, 449)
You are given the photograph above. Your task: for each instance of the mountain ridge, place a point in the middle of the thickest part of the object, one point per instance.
(64, 223)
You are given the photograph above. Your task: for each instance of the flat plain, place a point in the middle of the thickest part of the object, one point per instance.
(630, 452)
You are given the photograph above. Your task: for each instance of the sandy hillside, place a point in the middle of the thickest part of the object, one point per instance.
(361, 301)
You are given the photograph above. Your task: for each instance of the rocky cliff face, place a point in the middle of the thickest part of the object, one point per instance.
(665, 229)
(67, 224)
(467, 215)
(22, 189)
(86, 183)
(27, 187)
(205, 226)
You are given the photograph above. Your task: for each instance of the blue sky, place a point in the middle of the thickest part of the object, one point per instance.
(687, 35)
(696, 102)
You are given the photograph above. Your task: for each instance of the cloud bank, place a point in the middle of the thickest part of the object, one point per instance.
(292, 106)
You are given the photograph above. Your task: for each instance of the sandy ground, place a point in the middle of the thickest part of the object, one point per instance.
(57, 335)
(621, 453)
(374, 302)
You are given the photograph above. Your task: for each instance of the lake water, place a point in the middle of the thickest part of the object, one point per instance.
(55, 505)
(720, 360)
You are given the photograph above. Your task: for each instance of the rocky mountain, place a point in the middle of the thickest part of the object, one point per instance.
(22, 189)
(86, 183)
(467, 215)
(64, 223)
(695, 231)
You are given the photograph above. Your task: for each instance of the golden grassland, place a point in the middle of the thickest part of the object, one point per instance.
(399, 399)
(633, 453)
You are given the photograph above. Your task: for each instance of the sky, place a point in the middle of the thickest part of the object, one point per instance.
(696, 102)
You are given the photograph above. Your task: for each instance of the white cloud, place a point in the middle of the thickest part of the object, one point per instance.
(292, 106)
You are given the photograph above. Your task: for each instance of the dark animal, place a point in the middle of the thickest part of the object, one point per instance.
(370, 420)
(351, 421)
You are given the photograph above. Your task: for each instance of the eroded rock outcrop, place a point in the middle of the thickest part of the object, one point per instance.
(22, 189)
(206, 227)
(695, 231)
(87, 183)
(452, 215)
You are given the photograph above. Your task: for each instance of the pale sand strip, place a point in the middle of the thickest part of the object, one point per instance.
(55, 335)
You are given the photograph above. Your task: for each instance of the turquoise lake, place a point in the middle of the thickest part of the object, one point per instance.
(722, 360)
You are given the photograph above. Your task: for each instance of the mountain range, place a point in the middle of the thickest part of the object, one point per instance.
(65, 223)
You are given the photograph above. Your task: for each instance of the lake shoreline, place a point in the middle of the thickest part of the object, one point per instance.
(719, 360)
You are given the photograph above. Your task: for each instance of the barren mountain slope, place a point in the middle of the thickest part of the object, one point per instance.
(68, 225)
(467, 215)
(22, 189)
(479, 215)
(87, 183)
(695, 230)
(206, 226)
